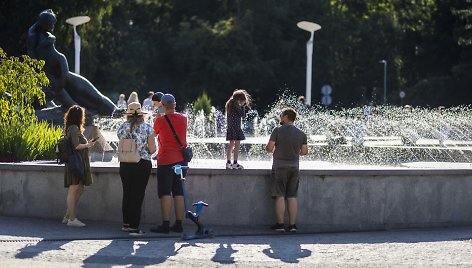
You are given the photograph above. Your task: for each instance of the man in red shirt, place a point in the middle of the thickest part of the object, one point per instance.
(169, 154)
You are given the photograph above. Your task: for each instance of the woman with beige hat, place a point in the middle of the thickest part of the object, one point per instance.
(135, 176)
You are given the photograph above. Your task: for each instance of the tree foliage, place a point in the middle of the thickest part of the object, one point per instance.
(203, 102)
(184, 47)
(22, 137)
(21, 81)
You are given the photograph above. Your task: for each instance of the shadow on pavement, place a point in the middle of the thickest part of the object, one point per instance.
(289, 253)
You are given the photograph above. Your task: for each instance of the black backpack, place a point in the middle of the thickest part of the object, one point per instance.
(63, 150)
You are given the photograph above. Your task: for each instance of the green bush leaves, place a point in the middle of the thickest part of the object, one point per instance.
(22, 137)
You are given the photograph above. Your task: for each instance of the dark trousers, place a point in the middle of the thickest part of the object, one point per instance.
(134, 177)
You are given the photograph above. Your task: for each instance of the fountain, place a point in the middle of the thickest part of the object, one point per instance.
(393, 169)
(391, 136)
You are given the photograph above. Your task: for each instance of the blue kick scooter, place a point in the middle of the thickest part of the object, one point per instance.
(202, 231)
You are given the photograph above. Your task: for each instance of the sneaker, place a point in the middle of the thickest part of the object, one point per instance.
(229, 166)
(65, 220)
(292, 228)
(237, 166)
(75, 223)
(279, 227)
(126, 229)
(160, 229)
(135, 232)
(177, 228)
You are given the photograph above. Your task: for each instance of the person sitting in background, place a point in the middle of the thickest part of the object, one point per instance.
(121, 103)
(147, 103)
(156, 100)
(133, 97)
(302, 101)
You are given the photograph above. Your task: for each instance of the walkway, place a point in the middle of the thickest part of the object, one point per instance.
(26, 242)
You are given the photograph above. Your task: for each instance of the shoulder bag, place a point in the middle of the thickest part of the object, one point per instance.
(128, 150)
(186, 151)
(75, 163)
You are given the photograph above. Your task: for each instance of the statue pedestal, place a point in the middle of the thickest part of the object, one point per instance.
(101, 151)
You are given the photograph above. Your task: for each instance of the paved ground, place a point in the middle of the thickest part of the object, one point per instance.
(28, 242)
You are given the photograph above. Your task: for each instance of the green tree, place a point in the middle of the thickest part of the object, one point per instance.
(22, 137)
(182, 46)
(21, 82)
(203, 102)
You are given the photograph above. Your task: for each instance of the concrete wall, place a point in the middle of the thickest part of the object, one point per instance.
(329, 200)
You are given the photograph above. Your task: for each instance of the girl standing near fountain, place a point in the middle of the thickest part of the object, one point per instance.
(234, 134)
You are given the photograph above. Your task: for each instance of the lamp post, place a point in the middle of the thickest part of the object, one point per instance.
(385, 80)
(310, 27)
(76, 21)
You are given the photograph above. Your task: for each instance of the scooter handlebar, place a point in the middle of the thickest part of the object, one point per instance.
(178, 168)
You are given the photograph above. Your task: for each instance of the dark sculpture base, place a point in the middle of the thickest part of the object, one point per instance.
(102, 151)
(55, 115)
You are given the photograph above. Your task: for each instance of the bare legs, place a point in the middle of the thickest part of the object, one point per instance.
(73, 195)
(280, 209)
(166, 204)
(233, 148)
(292, 210)
(179, 207)
(165, 207)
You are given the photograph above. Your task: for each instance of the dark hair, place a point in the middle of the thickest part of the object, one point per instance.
(290, 113)
(157, 96)
(75, 115)
(238, 95)
(134, 121)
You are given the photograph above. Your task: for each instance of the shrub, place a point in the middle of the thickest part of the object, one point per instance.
(22, 137)
(203, 102)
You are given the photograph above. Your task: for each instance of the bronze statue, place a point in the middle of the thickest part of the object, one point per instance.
(66, 87)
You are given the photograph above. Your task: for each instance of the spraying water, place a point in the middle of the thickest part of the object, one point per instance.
(385, 135)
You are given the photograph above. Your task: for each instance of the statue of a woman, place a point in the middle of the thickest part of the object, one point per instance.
(66, 87)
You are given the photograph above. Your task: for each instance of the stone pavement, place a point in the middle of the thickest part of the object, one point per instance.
(26, 242)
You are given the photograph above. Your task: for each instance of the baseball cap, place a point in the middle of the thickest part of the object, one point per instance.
(167, 99)
(157, 96)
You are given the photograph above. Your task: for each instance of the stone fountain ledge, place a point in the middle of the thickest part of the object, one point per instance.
(332, 197)
(258, 166)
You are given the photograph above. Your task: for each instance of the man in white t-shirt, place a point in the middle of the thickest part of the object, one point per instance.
(147, 103)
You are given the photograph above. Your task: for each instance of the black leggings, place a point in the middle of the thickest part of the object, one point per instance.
(134, 177)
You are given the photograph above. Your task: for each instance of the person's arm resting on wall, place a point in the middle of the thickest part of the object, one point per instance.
(270, 146)
(304, 149)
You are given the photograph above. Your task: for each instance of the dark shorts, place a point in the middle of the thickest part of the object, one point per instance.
(285, 182)
(169, 183)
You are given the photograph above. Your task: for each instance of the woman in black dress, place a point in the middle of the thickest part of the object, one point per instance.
(234, 134)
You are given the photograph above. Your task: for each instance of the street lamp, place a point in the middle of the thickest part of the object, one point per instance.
(385, 80)
(76, 21)
(310, 27)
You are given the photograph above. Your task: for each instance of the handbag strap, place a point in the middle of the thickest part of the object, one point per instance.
(173, 131)
(69, 140)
